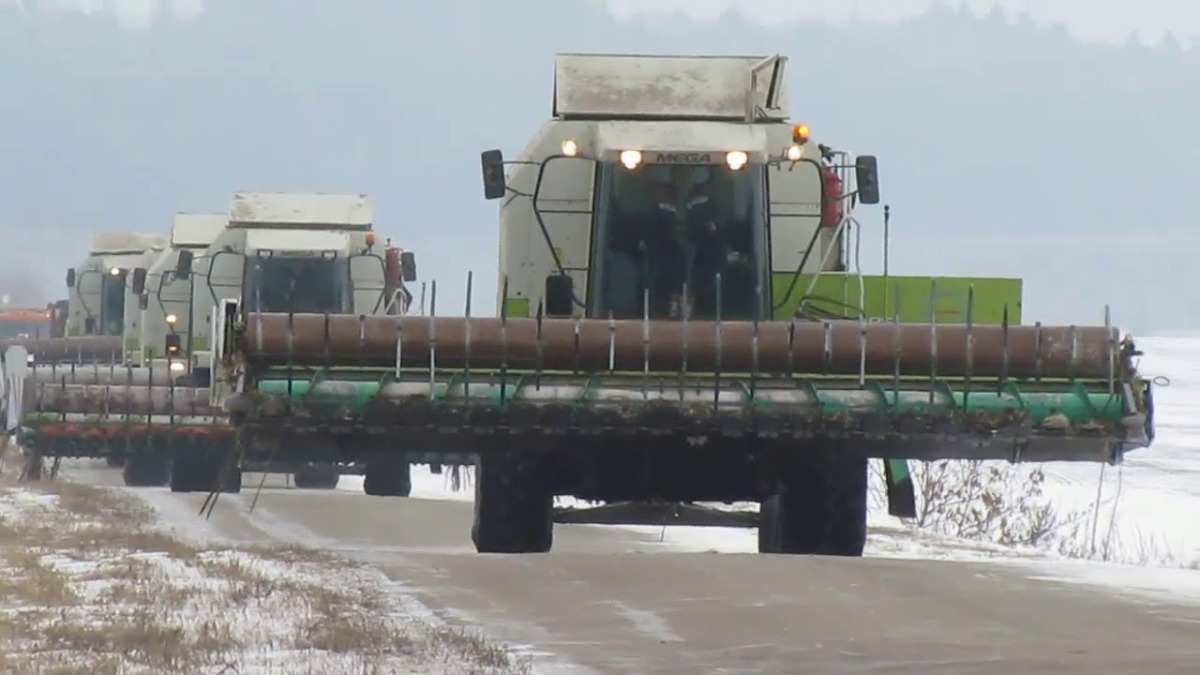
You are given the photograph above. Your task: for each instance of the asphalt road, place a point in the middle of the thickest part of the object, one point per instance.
(607, 600)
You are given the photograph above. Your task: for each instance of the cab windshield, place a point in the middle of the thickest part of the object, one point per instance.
(303, 285)
(112, 304)
(661, 230)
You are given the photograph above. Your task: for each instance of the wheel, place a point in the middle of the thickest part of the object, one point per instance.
(514, 508)
(822, 510)
(768, 525)
(388, 477)
(114, 461)
(317, 477)
(196, 469)
(145, 470)
(188, 470)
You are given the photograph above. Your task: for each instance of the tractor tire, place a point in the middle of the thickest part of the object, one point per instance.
(198, 469)
(823, 509)
(768, 525)
(188, 470)
(390, 477)
(514, 508)
(317, 477)
(145, 470)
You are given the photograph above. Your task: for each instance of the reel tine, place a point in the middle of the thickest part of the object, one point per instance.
(683, 364)
(504, 341)
(933, 346)
(970, 344)
(720, 338)
(1004, 352)
(645, 344)
(467, 339)
(432, 338)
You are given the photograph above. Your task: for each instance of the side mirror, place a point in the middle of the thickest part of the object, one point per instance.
(139, 281)
(143, 300)
(183, 266)
(494, 186)
(560, 294)
(71, 277)
(174, 344)
(408, 266)
(866, 175)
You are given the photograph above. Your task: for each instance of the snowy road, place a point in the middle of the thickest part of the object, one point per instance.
(610, 600)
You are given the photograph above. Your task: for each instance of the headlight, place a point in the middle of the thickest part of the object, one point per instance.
(736, 159)
(177, 366)
(116, 271)
(171, 319)
(631, 158)
(795, 153)
(569, 148)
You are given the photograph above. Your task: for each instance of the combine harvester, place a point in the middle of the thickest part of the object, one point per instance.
(677, 325)
(309, 253)
(279, 250)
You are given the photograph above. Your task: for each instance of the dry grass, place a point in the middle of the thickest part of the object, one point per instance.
(89, 585)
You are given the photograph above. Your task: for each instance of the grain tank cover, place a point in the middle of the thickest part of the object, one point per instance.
(295, 210)
(634, 86)
(197, 230)
(125, 242)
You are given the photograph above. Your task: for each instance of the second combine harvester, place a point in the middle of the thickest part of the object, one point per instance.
(678, 325)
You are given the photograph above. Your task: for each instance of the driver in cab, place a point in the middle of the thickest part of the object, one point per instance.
(684, 238)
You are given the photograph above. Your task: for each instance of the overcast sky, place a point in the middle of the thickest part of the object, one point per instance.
(1104, 20)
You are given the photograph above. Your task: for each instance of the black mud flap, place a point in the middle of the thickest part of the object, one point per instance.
(901, 494)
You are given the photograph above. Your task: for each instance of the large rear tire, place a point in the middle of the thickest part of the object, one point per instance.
(317, 477)
(822, 510)
(145, 470)
(388, 477)
(198, 469)
(514, 508)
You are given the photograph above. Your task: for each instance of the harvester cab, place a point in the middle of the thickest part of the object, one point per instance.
(698, 198)
(167, 299)
(135, 303)
(295, 252)
(99, 285)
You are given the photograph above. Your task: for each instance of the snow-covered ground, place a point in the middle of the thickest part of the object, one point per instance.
(90, 581)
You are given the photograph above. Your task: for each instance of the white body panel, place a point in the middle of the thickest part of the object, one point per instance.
(297, 240)
(132, 341)
(197, 230)
(300, 210)
(171, 297)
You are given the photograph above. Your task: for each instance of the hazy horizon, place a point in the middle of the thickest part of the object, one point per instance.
(1007, 146)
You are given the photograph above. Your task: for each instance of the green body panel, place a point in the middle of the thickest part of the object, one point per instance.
(902, 298)
(199, 343)
(1076, 401)
(517, 307)
(131, 345)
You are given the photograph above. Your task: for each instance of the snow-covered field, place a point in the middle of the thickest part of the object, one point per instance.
(90, 583)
